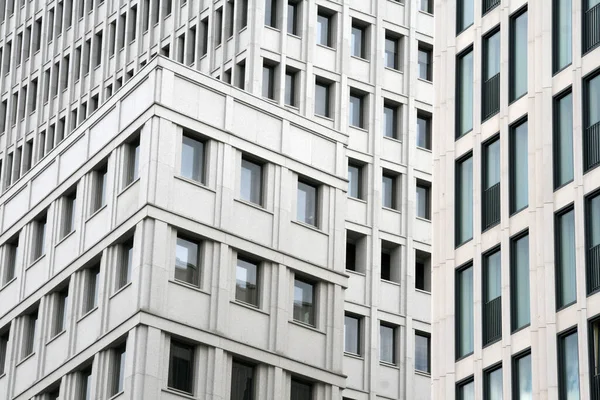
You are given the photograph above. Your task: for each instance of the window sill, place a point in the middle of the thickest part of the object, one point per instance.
(561, 69)
(35, 261)
(393, 69)
(323, 117)
(114, 396)
(556, 189)
(390, 282)
(388, 364)
(423, 219)
(423, 373)
(324, 46)
(253, 205)
(359, 58)
(272, 28)
(293, 107)
(391, 209)
(463, 243)
(193, 182)
(26, 358)
(357, 199)
(565, 306)
(125, 286)
(14, 278)
(189, 286)
(425, 80)
(311, 227)
(3, 375)
(180, 393)
(294, 35)
(92, 215)
(485, 345)
(349, 271)
(64, 238)
(55, 337)
(511, 102)
(128, 186)
(358, 128)
(86, 314)
(424, 149)
(393, 139)
(427, 292)
(248, 306)
(353, 355)
(426, 12)
(303, 325)
(518, 211)
(521, 328)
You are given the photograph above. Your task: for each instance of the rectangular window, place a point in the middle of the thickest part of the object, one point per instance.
(386, 262)
(125, 261)
(29, 334)
(423, 271)
(387, 343)
(355, 184)
(218, 26)
(464, 14)
(466, 390)
(423, 200)
(464, 200)
(290, 87)
(519, 275)
(117, 370)
(240, 76)
(492, 297)
(39, 238)
(271, 13)
(566, 284)
(243, 13)
(322, 98)
(491, 75)
(568, 365)
(422, 352)
(464, 93)
(242, 381)
(390, 119)
(389, 191)
(304, 302)
(590, 31)
(518, 56)
(426, 6)
(492, 384)
(3, 351)
(293, 17)
(356, 109)
(181, 367)
(591, 118)
(187, 261)
(91, 282)
(268, 82)
(464, 311)
(358, 40)
(324, 27)
(99, 178)
(246, 281)
(425, 59)
(306, 206)
(518, 167)
(592, 242)
(352, 334)
(132, 162)
(350, 252)
(424, 130)
(85, 384)
(562, 31)
(192, 159)
(522, 377)
(489, 5)
(251, 182)
(69, 213)
(301, 390)
(563, 139)
(392, 51)
(59, 322)
(490, 196)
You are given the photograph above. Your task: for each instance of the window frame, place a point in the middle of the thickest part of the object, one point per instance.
(363, 100)
(131, 170)
(359, 167)
(329, 15)
(359, 325)
(427, 336)
(327, 87)
(513, 66)
(363, 28)
(317, 213)
(124, 267)
(201, 145)
(427, 49)
(457, 191)
(556, 68)
(486, 379)
(257, 290)
(458, 95)
(197, 279)
(394, 343)
(457, 310)
(261, 179)
(515, 371)
(560, 346)
(174, 342)
(557, 256)
(557, 133)
(514, 296)
(313, 312)
(461, 384)
(512, 130)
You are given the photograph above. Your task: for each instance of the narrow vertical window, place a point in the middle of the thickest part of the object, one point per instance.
(386, 261)
(518, 167)
(464, 200)
(590, 31)
(387, 343)
(390, 119)
(91, 282)
(132, 162)
(566, 284)
(568, 366)
(251, 185)
(181, 367)
(563, 139)
(11, 252)
(422, 352)
(466, 390)
(246, 281)
(423, 200)
(307, 203)
(350, 251)
(519, 276)
(293, 17)
(425, 62)
(388, 191)
(242, 381)
(61, 302)
(562, 31)
(424, 130)
(464, 311)
(192, 159)
(356, 109)
(124, 263)
(464, 93)
(522, 384)
(118, 370)
(268, 81)
(301, 390)
(351, 334)
(99, 178)
(464, 17)
(271, 13)
(3, 351)
(218, 26)
(423, 271)
(490, 105)
(591, 119)
(85, 384)
(187, 261)
(304, 302)
(426, 6)
(290, 87)
(324, 27)
(355, 186)
(490, 196)
(492, 297)
(392, 51)
(492, 384)
(518, 56)
(69, 213)
(358, 39)
(592, 242)
(29, 334)
(322, 98)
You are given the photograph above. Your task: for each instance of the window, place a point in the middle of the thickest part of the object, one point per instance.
(294, 17)
(181, 367)
(561, 34)
(387, 343)
(301, 390)
(464, 311)
(563, 139)
(566, 284)
(464, 17)
(590, 31)
(465, 390)
(271, 13)
(390, 119)
(492, 296)
(322, 98)
(290, 87)
(85, 384)
(522, 377)
(423, 271)
(324, 27)
(54, 394)
(99, 178)
(246, 281)
(425, 62)
(491, 75)
(192, 159)
(3, 351)
(591, 118)
(358, 39)
(492, 384)
(519, 275)
(356, 109)
(304, 301)
(268, 82)
(386, 264)
(392, 51)
(240, 76)
(390, 261)
(125, 261)
(352, 334)
(490, 197)
(464, 200)
(355, 251)
(592, 242)
(355, 177)
(242, 381)
(187, 261)
(518, 165)
(423, 200)
(68, 218)
(306, 205)
(29, 334)
(424, 130)
(422, 352)
(426, 6)
(132, 162)
(218, 26)
(389, 190)
(518, 56)
(350, 252)
(568, 365)
(91, 281)
(59, 321)
(39, 238)
(117, 370)
(251, 182)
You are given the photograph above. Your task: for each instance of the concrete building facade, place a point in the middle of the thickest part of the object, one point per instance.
(249, 219)
(516, 205)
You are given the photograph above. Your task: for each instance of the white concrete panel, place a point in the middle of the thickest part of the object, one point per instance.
(357, 210)
(178, 301)
(355, 368)
(96, 227)
(252, 223)
(128, 201)
(389, 296)
(390, 221)
(248, 326)
(15, 208)
(306, 345)
(425, 23)
(36, 275)
(71, 159)
(391, 149)
(132, 106)
(66, 251)
(393, 80)
(88, 330)
(356, 292)
(325, 58)
(298, 239)
(103, 131)
(388, 381)
(422, 306)
(193, 201)
(56, 352)
(24, 373)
